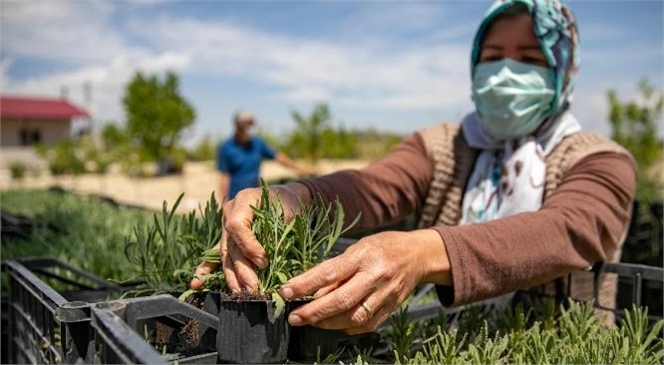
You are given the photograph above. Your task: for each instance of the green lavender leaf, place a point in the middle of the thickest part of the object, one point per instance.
(280, 305)
(186, 294)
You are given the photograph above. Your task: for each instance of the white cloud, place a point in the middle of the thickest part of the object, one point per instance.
(4, 69)
(366, 73)
(107, 81)
(165, 61)
(80, 36)
(304, 94)
(66, 31)
(354, 73)
(631, 53)
(592, 111)
(593, 31)
(380, 19)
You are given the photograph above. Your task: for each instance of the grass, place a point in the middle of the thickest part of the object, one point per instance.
(81, 231)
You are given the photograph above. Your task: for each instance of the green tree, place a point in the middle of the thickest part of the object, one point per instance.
(340, 143)
(205, 150)
(157, 116)
(113, 137)
(634, 125)
(272, 139)
(375, 145)
(308, 135)
(65, 157)
(117, 147)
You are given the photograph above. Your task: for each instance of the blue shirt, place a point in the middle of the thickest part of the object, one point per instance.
(242, 162)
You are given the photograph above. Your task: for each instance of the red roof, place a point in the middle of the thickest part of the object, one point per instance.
(38, 108)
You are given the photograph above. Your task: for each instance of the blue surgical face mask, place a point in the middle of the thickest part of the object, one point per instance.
(512, 98)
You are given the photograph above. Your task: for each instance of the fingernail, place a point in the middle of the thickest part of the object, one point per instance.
(294, 320)
(260, 262)
(286, 292)
(249, 289)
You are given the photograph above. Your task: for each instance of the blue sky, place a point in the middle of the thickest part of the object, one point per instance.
(393, 65)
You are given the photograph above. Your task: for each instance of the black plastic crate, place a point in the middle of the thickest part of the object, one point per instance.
(48, 310)
(153, 330)
(636, 284)
(135, 331)
(4, 328)
(641, 285)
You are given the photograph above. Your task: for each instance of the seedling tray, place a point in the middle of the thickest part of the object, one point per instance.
(47, 325)
(153, 330)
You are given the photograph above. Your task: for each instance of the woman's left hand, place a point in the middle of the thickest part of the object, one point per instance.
(358, 290)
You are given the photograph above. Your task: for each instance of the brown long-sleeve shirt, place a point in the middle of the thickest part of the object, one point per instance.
(585, 214)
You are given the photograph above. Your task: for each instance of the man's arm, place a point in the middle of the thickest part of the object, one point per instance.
(224, 186)
(290, 163)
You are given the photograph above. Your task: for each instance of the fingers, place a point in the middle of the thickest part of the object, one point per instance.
(204, 268)
(357, 316)
(237, 225)
(367, 316)
(244, 271)
(327, 273)
(228, 267)
(238, 271)
(325, 290)
(343, 299)
(229, 274)
(357, 290)
(240, 251)
(371, 325)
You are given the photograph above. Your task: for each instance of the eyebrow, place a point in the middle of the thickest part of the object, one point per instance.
(528, 47)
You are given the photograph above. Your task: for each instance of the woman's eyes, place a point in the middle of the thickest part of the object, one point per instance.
(534, 61)
(525, 59)
(491, 58)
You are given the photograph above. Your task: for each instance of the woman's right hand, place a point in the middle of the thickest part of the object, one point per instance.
(239, 250)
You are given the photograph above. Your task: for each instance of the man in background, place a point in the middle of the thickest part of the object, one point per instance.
(240, 156)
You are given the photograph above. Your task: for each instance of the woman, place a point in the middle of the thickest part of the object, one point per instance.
(515, 196)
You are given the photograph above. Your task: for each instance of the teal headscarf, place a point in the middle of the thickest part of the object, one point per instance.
(556, 31)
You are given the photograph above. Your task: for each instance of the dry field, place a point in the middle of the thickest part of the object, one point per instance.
(197, 182)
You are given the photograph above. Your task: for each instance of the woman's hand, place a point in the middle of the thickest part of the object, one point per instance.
(359, 289)
(239, 250)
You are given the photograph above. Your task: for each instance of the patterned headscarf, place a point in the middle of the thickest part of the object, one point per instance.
(508, 177)
(556, 30)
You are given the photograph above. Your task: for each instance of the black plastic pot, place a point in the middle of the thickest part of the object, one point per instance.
(250, 333)
(309, 343)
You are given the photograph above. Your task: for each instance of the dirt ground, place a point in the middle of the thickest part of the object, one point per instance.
(198, 181)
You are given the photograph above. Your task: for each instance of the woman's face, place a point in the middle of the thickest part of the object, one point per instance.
(512, 37)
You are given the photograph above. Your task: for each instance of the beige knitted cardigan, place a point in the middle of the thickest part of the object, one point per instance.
(453, 161)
